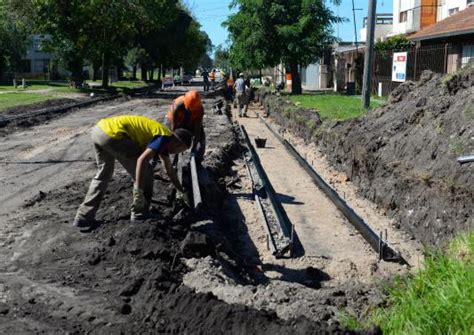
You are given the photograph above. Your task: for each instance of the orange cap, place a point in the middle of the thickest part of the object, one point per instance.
(192, 101)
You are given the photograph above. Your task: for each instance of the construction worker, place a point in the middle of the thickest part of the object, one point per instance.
(229, 94)
(240, 95)
(205, 78)
(187, 112)
(212, 78)
(133, 141)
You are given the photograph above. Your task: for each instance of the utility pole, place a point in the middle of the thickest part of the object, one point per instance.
(355, 27)
(369, 54)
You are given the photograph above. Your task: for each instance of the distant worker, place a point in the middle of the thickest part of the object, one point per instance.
(229, 94)
(133, 141)
(212, 78)
(187, 112)
(240, 95)
(205, 77)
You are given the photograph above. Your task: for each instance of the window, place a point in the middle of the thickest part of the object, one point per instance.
(453, 11)
(403, 16)
(467, 54)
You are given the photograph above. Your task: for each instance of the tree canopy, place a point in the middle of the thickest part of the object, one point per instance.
(110, 32)
(266, 32)
(13, 40)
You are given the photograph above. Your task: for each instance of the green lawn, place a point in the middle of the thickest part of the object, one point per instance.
(9, 96)
(334, 106)
(63, 86)
(8, 100)
(439, 299)
(34, 85)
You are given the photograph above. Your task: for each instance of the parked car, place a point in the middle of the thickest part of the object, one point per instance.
(187, 78)
(167, 82)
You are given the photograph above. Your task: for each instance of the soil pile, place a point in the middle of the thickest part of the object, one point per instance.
(302, 121)
(403, 155)
(128, 278)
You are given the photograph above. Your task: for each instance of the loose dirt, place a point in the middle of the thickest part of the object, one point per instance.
(402, 156)
(338, 270)
(123, 278)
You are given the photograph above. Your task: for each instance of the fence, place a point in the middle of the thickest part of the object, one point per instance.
(440, 58)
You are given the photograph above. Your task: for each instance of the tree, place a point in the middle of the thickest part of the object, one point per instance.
(266, 32)
(102, 32)
(13, 40)
(393, 43)
(222, 58)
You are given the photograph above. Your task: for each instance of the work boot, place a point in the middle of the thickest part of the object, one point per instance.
(80, 222)
(141, 217)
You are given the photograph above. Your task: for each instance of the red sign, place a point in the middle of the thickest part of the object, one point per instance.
(400, 58)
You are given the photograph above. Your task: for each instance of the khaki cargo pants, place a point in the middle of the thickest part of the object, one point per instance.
(242, 101)
(106, 151)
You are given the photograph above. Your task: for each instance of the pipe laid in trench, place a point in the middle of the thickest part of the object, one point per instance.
(385, 250)
(279, 240)
(197, 200)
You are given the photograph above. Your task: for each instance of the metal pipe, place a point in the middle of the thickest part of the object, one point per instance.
(364, 229)
(195, 182)
(465, 159)
(279, 211)
(270, 239)
(277, 234)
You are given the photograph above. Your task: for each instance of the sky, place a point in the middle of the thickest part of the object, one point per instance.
(211, 14)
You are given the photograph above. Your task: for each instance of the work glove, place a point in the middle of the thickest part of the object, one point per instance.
(184, 198)
(140, 205)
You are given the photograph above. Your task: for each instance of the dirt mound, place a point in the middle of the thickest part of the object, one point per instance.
(302, 121)
(403, 155)
(128, 278)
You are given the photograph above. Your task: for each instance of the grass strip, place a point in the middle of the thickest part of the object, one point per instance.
(334, 106)
(439, 299)
(8, 100)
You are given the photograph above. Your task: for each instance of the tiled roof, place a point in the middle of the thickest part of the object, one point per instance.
(458, 24)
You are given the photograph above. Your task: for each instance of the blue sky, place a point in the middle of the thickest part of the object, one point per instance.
(211, 14)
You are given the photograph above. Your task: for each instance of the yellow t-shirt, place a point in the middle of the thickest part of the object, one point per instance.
(139, 129)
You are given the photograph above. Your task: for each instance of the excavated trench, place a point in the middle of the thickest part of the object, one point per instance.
(186, 272)
(120, 277)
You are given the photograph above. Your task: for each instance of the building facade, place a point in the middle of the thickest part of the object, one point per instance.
(383, 27)
(410, 16)
(36, 61)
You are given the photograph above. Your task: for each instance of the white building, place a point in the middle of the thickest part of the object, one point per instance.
(447, 8)
(383, 27)
(410, 16)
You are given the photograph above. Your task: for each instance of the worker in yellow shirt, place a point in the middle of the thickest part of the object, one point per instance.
(133, 141)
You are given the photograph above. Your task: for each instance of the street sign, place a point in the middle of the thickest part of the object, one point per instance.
(399, 67)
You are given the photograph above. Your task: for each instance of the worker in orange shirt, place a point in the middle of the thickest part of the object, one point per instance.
(230, 88)
(187, 112)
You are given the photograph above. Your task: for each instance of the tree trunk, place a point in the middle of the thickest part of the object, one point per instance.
(75, 67)
(159, 72)
(260, 76)
(295, 79)
(134, 72)
(152, 73)
(143, 70)
(120, 72)
(105, 71)
(95, 71)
